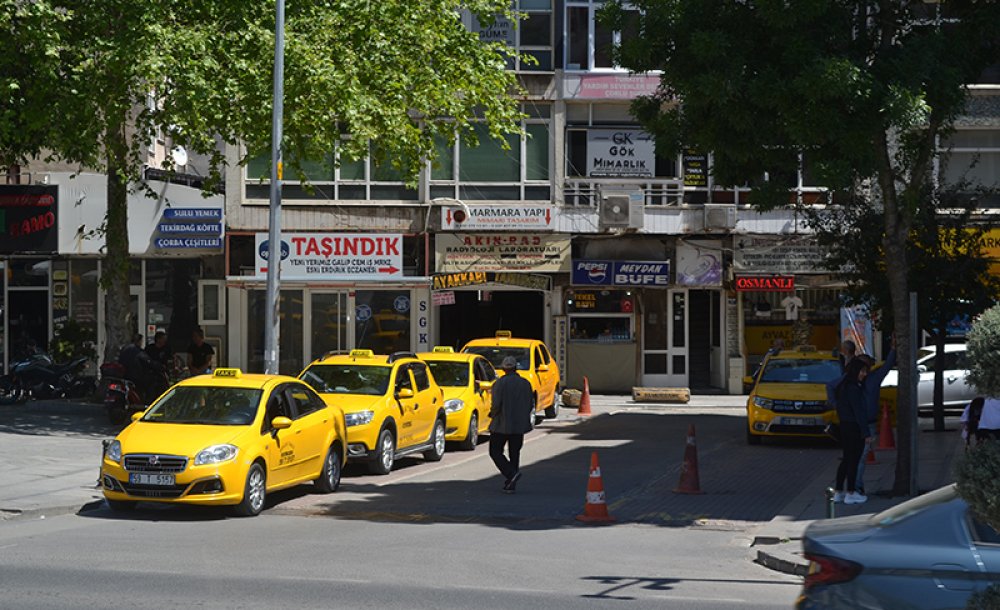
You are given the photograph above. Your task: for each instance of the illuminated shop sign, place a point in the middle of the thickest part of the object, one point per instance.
(765, 283)
(28, 218)
(588, 272)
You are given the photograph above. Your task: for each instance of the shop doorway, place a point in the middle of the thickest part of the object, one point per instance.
(27, 322)
(480, 313)
(665, 337)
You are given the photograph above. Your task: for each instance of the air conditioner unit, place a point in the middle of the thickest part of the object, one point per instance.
(621, 209)
(720, 216)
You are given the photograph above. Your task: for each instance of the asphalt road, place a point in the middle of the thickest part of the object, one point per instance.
(199, 559)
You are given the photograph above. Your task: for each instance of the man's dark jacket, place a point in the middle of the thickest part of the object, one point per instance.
(513, 406)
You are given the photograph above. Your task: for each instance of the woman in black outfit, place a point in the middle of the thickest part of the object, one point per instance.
(853, 428)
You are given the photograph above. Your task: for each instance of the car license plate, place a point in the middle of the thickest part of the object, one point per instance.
(799, 421)
(139, 478)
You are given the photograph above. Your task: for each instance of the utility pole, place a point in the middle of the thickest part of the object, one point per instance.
(272, 315)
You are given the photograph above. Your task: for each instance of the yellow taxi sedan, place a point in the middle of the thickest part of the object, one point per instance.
(392, 405)
(467, 382)
(534, 362)
(226, 439)
(788, 395)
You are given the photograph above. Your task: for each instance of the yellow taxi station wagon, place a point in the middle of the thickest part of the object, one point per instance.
(226, 439)
(392, 405)
(534, 362)
(467, 382)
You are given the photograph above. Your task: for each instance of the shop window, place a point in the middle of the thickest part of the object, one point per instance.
(83, 291)
(382, 320)
(328, 322)
(211, 302)
(172, 299)
(970, 162)
(602, 316)
(290, 330)
(28, 272)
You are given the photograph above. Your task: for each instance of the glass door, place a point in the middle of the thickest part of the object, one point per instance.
(328, 323)
(664, 338)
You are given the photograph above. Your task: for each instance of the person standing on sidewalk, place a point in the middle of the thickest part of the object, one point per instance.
(989, 420)
(871, 386)
(512, 411)
(853, 415)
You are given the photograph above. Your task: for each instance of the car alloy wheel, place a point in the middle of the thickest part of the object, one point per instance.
(329, 478)
(437, 452)
(253, 493)
(472, 438)
(385, 453)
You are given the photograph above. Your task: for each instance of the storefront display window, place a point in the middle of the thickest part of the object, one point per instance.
(382, 320)
(604, 316)
(172, 300)
(290, 330)
(328, 322)
(83, 291)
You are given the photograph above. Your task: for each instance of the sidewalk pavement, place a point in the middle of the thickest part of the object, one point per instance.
(778, 544)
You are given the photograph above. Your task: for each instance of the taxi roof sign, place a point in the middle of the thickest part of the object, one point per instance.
(232, 373)
(444, 349)
(807, 348)
(362, 353)
(503, 334)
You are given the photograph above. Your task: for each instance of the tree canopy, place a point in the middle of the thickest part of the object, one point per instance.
(91, 82)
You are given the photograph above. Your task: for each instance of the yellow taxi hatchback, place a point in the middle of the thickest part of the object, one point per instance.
(788, 395)
(392, 405)
(534, 362)
(467, 382)
(226, 439)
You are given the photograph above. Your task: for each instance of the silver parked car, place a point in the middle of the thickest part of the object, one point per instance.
(957, 393)
(928, 552)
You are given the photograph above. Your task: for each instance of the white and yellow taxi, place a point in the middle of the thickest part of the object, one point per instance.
(392, 405)
(226, 439)
(788, 395)
(534, 362)
(467, 382)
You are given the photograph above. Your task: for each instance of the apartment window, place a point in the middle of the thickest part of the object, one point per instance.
(531, 36)
(970, 160)
(362, 179)
(488, 171)
(589, 43)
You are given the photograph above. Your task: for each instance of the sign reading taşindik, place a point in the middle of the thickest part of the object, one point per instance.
(334, 256)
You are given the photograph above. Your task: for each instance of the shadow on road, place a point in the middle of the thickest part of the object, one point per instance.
(57, 418)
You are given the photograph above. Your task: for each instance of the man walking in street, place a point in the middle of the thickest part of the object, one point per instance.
(512, 411)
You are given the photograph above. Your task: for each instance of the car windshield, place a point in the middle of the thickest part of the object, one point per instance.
(800, 370)
(496, 355)
(372, 380)
(212, 405)
(909, 508)
(451, 374)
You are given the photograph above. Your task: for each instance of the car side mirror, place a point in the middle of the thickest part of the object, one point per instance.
(281, 422)
(542, 368)
(404, 393)
(921, 368)
(137, 415)
(748, 380)
(485, 385)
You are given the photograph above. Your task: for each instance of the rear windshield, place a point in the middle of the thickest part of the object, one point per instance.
(451, 374)
(909, 508)
(212, 405)
(348, 379)
(496, 355)
(800, 370)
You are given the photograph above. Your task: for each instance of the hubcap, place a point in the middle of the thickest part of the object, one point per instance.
(439, 438)
(256, 489)
(387, 451)
(331, 469)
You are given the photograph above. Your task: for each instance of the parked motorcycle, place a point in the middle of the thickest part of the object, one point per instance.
(38, 377)
(121, 395)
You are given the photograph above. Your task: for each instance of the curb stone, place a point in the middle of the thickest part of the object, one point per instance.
(782, 561)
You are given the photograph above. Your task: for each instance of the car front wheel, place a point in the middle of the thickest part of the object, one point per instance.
(254, 493)
(385, 453)
(437, 438)
(472, 438)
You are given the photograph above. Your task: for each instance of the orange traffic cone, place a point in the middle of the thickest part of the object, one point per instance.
(689, 469)
(885, 438)
(596, 508)
(870, 458)
(584, 408)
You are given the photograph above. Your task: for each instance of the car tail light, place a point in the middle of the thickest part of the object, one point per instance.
(825, 570)
(116, 387)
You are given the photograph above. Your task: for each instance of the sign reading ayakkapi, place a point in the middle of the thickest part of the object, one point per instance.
(775, 255)
(460, 252)
(620, 153)
(497, 217)
(334, 256)
(531, 281)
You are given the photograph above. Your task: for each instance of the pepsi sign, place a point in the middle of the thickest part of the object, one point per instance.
(592, 273)
(621, 273)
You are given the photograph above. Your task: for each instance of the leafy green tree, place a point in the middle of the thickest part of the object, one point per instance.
(90, 82)
(861, 89)
(945, 246)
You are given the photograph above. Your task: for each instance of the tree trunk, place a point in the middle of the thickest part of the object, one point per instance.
(939, 362)
(115, 266)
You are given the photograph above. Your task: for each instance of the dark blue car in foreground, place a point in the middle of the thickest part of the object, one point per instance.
(928, 552)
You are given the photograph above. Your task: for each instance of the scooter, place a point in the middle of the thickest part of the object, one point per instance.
(121, 396)
(37, 376)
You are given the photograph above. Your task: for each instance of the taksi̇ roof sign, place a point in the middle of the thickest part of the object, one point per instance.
(334, 256)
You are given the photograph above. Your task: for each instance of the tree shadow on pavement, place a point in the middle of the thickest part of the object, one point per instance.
(57, 418)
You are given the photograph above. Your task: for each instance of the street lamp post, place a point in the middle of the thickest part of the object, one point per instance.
(271, 314)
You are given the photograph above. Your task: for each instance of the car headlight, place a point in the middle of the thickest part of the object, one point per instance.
(763, 403)
(454, 405)
(114, 451)
(359, 418)
(215, 454)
